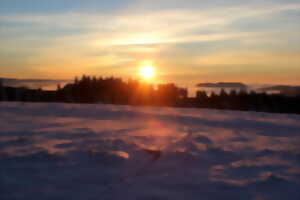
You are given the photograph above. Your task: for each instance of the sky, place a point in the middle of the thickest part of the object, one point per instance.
(187, 42)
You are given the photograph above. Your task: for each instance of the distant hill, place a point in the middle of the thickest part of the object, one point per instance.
(235, 85)
(32, 83)
(286, 90)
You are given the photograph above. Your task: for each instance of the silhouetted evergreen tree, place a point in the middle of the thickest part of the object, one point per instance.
(202, 95)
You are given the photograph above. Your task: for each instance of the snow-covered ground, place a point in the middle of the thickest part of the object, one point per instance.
(68, 151)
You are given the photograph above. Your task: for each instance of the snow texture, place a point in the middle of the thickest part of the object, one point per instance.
(70, 151)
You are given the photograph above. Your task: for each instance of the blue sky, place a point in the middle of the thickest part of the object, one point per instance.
(186, 41)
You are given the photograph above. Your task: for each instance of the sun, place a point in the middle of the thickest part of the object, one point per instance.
(147, 72)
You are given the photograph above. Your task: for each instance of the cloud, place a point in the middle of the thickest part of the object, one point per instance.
(166, 26)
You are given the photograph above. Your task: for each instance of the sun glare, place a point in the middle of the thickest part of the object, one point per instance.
(146, 72)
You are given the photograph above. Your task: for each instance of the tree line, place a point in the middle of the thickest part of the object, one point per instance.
(112, 90)
(107, 90)
(248, 101)
(117, 91)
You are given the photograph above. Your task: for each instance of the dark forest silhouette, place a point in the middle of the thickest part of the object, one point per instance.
(134, 92)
